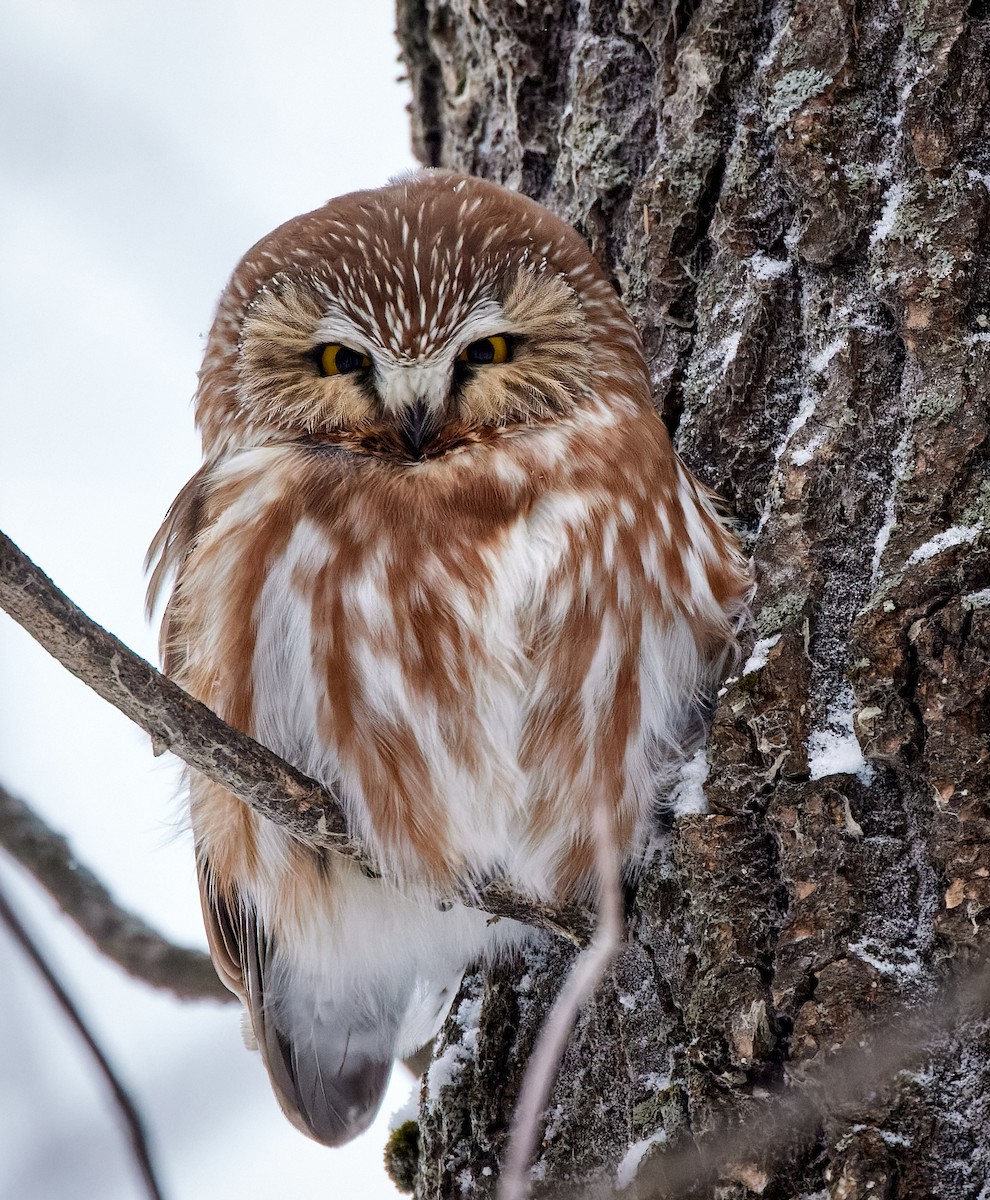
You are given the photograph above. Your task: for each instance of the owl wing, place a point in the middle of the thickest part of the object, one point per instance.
(327, 1062)
(169, 548)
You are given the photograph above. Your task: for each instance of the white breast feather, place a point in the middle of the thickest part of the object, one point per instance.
(371, 927)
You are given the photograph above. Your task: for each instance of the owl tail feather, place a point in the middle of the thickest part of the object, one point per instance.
(329, 1059)
(328, 1073)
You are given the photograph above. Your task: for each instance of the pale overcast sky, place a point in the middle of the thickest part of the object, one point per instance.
(144, 147)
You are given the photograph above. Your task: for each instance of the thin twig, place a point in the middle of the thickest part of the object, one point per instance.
(544, 1062)
(125, 1106)
(200, 738)
(118, 934)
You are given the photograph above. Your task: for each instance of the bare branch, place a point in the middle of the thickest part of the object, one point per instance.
(200, 738)
(115, 932)
(544, 1063)
(125, 1105)
(174, 719)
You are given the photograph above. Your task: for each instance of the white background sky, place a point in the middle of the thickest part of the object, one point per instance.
(143, 148)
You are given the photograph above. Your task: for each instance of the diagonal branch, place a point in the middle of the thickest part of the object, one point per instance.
(200, 738)
(116, 933)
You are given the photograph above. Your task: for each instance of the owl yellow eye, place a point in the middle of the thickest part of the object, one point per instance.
(485, 352)
(336, 359)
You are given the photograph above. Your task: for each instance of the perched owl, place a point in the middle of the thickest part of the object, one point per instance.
(441, 556)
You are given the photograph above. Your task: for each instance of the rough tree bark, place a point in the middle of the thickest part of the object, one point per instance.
(792, 197)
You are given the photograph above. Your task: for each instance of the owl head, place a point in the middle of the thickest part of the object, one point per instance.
(406, 321)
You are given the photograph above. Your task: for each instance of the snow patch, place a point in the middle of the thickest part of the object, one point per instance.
(886, 1136)
(767, 59)
(761, 652)
(801, 418)
(894, 1139)
(819, 363)
(629, 1166)
(456, 1055)
(730, 348)
(979, 599)
(468, 1016)
(445, 1068)
(909, 969)
(803, 456)
(899, 463)
(767, 268)
(688, 794)
(655, 1082)
(833, 748)
(892, 201)
(956, 536)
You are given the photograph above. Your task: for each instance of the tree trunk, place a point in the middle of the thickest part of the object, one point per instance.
(792, 198)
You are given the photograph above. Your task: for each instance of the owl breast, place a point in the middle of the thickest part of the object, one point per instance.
(472, 652)
(400, 636)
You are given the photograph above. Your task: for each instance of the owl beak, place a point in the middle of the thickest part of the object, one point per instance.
(417, 428)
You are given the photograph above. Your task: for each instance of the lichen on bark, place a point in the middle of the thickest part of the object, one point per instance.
(792, 197)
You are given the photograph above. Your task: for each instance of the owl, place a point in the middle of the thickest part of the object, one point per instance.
(441, 556)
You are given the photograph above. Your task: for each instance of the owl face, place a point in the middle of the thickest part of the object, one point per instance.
(409, 321)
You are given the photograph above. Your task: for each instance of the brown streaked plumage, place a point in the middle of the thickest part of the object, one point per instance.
(461, 578)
